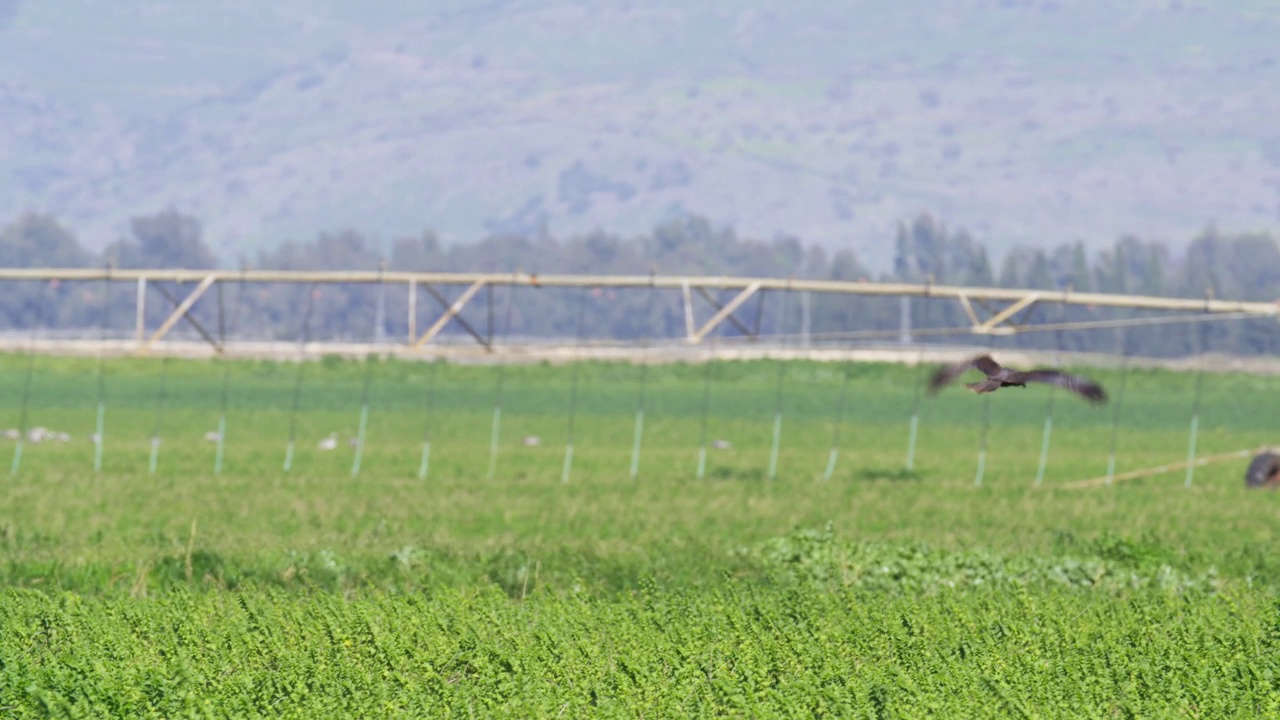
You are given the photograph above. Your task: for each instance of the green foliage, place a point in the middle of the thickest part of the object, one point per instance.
(1117, 566)
(877, 593)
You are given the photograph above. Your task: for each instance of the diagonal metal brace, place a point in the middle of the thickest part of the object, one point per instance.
(968, 310)
(724, 312)
(990, 325)
(742, 328)
(190, 318)
(451, 312)
(178, 313)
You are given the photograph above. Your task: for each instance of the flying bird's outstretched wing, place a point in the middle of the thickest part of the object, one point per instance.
(947, 374)
(1083, 387)
(984, 386)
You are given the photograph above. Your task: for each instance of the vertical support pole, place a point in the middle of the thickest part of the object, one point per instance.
(498, 385)
(493, 441)
(26, 386)
(97, 436)
(424, 463)
(986, 427)
(1119, 403)
(1044, 443)
(1198, 329)
(777, 397)
(1048, 414)
(380, 308)
(911, 440)
(161, 396)
(304, 334)
(140, 321)
(222, 317)
(920, 381)
(644, 376)
(489, 295)
(635, 442)
(982, 445)
(904, 320)
(573, 391)
(706, 410)
(1191, 450)
(100, 426)
(777, 441)
(364, 423)
(835, 432)
(690, 330)
(221, 449)
(413, 309)
(806, 317)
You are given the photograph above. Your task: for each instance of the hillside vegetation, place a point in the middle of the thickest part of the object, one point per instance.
(1020, 120)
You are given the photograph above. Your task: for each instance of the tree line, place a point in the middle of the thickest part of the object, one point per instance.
(1229, 266)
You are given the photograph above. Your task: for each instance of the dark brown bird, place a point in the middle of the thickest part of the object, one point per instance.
(999, 377)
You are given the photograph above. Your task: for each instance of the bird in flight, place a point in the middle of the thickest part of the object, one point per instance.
(999, 377)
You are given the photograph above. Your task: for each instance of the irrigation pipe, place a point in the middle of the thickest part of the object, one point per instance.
(961, 330)
(1162, 469)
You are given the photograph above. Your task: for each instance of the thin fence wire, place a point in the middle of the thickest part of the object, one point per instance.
(642, 390)
(778, 389)
(221, 439)
(1043, 463)
(498, 386)
(363, 425)
(1117, 407)
(36, 323)
(922, 377)
(573, 391)
(1198, 336)
(986, 428)
(304, 337)
(99, 433)
(788, 392)
(708, 367)
(162, 394)
(425, 462)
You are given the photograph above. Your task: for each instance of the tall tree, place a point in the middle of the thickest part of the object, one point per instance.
(168, 239)
(37, 240)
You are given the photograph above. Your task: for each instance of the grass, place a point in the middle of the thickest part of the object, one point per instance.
(881, 592)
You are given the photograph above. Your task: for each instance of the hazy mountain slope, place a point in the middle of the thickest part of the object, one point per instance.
(1022, 121)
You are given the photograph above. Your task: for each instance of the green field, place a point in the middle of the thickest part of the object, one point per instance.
(879, 593)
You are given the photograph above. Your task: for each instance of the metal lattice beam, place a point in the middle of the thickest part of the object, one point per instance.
(977, 295)
(450, 313)
(180, 311)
